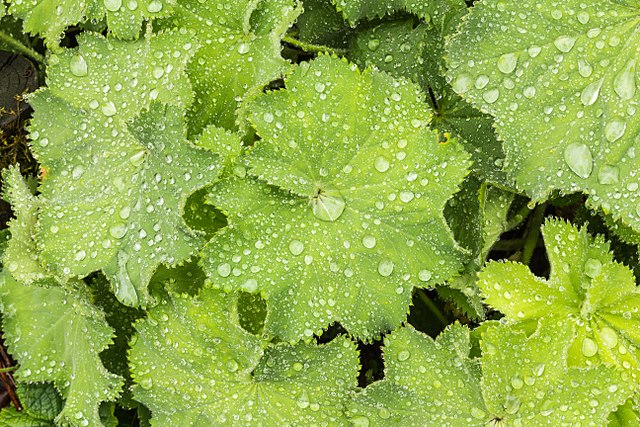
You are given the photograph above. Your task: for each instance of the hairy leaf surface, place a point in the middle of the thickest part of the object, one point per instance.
(194, 354)
(518, 381)
(240, 50)
(586, 289)
(118, 166)
(433, 11)
(352, 220)
(56, 334)
(50, 18)
(560, 78)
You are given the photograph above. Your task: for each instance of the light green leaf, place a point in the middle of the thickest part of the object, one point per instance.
(194, 354)
(10, 417)
(21, 257)
(436, 12)
(564, 98)
(357, 220)
(320, 23)
(118, 166)
(39, 400)
(50, 18)
(240, 50)
(586, 288)
(56, 335)
(523, 381)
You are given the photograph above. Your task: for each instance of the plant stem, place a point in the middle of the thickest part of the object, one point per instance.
(20, 48)
(433, 308)
(533, 233)
(8, 369)
(517, 219)
(508, 245)
(308, 47)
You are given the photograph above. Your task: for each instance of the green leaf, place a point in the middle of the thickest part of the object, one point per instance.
(21, 257)
(240, 51)
(523, 381)
(586, 288)
(564, 98)
(353, 219)
(436, 12)
(194, 354)
(56, 335)
(320, 23)
(40, 400)
(50, 18)
(10, 417)
(118, 166)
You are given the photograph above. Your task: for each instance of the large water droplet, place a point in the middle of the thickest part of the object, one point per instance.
(507, 63)
(614, 130)
(589, 347)
(609, 175)
(109, 109)
(369, 242)
(385, 267)
(491, 96)
(303, 400)
(155, 6)
(78, 66)
(462, 83)
(424, 275)
(360, 421)
(381, 164)
(624, 83)
(579, 159)
(118, 230)
(112, 5)
(608, 337)
(592, 267)
(517, 383)
(564, 43)
(404, 355)
(591, 92)
(224, 270)
(296, 247)
(328, 206)
(584, 68)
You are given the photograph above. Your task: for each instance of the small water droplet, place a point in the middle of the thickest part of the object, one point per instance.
(579, 159)
(482, 81)
(80, 255)
(146, 383)
(296, 247)
(157, 72)
(78, 66)
(155, 6)
(232, 366)
(224, 270)
(624, 83)
(589, 347)
(381, 164)
(591, 92)
(517, 383)
(564, 43)
(109, 109)
(608, 337)
(614, 130)
(507, 63)
(583, 17)
(425, 275)
(244, 48)
(369, 242)
(360, 421)
(118, 230)
(584, 68)
(404, 355)
(373, 44)
(385, 267)
(491, 96)
(462, 83)
(112, 5)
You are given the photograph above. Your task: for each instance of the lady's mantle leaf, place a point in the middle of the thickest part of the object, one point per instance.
(194, 354)
(57, 335)
(117, 174)
(240, 50)
(357, 220)
(50, 18)
(586, 289)
(435, 12)
(21, 257)
(560, 77)
(523, 381)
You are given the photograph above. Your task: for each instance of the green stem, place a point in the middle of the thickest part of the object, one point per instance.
(533, 233)
(315, 48)
(8, 369)
(508, 245)
(433, 308)
(20, 48)
(517, 219)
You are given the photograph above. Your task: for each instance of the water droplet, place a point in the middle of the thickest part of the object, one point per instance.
(157, 72)
(232, 366)
(491, 96)
(482, 81)
(507, 63)
(624, 83)
(112, 5)
(517, 383)
(296, 247)
(125, 212)
(78, 66)
(462, 84)
(118, 230)
(319, 87)
(224, 270)
(132, 4)
(478, 413)
(328, 207)
(584, 68)
(360, 421)
(80, 255)
(564, 43)
(369, 242)
(406, 196)
(109, 109)
(384, 413)
(385, 267)
(591, 92)
(608, 337)
(529, 92)
(77, 172)
(534, 51)
(579, 159)
(146, 383)
(583, 17)
(403, 355)
(267, 117)
(155, 6)
(373, 44)
(244, 48)
(138, 158)
(609, 175)
(614, 130)
(381, 164)
(425, 275)
(589, 347)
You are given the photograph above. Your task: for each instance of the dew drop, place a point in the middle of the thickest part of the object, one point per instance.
(529, 92)
(303, 400)
(482, 81)
(584, 68)
(369, 242)
(109, 109)
(517, 383)
(491, 96)
(296, 247)
(381, 164)
(583, 17)
(373, 44)
(624, 83)
(614, 130)
(360, 421)
(564, 43)
(328, 207)
(78, 66)
(244, 48)
(155, 6)
(589, 347)
(462, 84)
(507, 63)
(591, 92)
(157, 72)
(224, 270)
(609, 175)
(118, 230)
(579, 159)
(608, 337)
(424, 275)
(80, 255)
(232, 366)
(385, 267)
(146, 383)
(404, 355)
(112, 5)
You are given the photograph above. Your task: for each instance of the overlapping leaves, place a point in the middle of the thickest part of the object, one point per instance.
(194, 354)
(560, 78)
(431, 382)
(345, 216)
(118, 166)
(586, 290)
